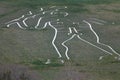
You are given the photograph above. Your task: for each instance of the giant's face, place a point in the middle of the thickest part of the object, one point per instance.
(59, 11)
(53, 12)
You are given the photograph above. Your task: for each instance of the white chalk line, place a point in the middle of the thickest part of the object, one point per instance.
(48, 61)
(15, 19)
(17, 24)
(63, 7)
(11, 24)
(55, 12)
(53, 41)
(93, 45)
(98, 39)
(41, 9)
(24, 21)
(98, 20)
(70, 31)
(66, 52)
(20, 26)
(38, 23)
(75, 30)
(30, 13)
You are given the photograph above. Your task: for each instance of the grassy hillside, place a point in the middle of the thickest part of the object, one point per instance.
(32, 48)
(33, 3)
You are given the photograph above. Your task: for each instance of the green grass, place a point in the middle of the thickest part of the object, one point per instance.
(28, 50)
(34, 3)
(113, 10)
(11, 12)
(40, 64)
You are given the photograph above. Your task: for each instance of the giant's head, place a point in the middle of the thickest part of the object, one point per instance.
(55, 11)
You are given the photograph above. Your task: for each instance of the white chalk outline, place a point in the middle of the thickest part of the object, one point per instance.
(17, 24)
(15, 19)
(30, 13)
(48, 61)
(98, 39)
(54, 38)
(41, 9)
(55, 12)
(71, 29)
(38, 23)
(66, 52)
(93, 45)
(99, 20)
(75, 30)
(24, 21)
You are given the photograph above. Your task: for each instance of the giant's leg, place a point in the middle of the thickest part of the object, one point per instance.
(107, 52)
(53, 42)
(66, 47)
(98, 43)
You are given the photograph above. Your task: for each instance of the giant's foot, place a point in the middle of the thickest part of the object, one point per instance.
(49, 61)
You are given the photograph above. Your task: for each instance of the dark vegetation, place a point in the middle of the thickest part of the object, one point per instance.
(40, 64)
(16, 72)
(8, 76)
